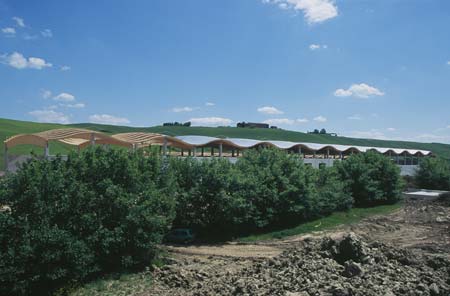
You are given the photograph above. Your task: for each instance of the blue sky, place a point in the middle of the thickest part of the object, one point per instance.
(374, 69)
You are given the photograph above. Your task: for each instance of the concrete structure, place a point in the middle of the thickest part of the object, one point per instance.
(424, 194)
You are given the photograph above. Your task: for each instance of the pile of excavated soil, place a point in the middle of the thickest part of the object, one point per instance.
(349, 265)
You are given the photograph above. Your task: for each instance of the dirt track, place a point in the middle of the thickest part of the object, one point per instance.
(406, 241)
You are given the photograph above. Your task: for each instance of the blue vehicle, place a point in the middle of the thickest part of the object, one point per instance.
(180, 236)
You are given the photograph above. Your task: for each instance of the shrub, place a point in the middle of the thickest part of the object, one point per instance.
(331, 193)
(433, 173)
(277, 188)
(371, 179)
(205, 200)
(96, 212)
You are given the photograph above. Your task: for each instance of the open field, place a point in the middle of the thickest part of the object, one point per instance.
(9, 128)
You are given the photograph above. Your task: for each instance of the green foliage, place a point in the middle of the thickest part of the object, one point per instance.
(106, 210)
(433, 173)
(264, 189)
(277, 188)
(96, 212)
(204, 198)
(371, 178)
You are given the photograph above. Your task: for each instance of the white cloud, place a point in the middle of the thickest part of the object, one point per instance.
(74, 106)
(317, 46)
(315, 11)
(209, 104)
(37, 63)
(18, 61)
(19, 21)
(211, 121)
(320, 118)
(47, 33)
(30, 37)
(302, 120)
(46, 94)
(278, 121)
(9, 31)
(50, 116)
(65, 68)
(448, 63)
(361, 90)
(391, 129)
(182, 109)
(64, 97)
(269, 110)
(371, 134)
(355, 117)
(108, 119)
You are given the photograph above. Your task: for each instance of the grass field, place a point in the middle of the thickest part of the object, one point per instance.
(10, 127)
(116, 285)
(354, 215)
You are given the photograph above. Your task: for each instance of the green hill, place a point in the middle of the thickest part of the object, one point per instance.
(10, 127)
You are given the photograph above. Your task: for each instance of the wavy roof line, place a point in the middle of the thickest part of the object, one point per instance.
(198, 141)
(82, 138)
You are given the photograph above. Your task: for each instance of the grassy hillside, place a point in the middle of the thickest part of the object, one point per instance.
(13, 127)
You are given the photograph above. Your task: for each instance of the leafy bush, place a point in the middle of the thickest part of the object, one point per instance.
(433, 173)
(204, 198)
(277, 188)
(96, 212)
(371, 179)
(331, 192)
(264, 189)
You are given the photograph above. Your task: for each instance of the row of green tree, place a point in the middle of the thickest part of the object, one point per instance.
(433, 173)
(102, 211)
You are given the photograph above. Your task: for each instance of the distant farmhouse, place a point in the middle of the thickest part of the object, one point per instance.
(322, 132)
(188, 123)
(254, 125)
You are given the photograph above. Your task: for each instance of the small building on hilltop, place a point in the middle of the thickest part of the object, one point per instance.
(252, 124)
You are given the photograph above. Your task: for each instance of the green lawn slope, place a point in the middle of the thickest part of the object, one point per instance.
(10, 127)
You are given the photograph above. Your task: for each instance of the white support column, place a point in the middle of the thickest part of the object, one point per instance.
(92, 139)
(47, 150)
(220, 150)
(195, 151)
(5, 155)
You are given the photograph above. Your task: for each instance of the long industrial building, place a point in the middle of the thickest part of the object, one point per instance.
(202, 146)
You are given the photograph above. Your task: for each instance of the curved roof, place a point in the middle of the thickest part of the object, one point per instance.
(83, 137)
(199, 141)
(71, 136)
(140, 139)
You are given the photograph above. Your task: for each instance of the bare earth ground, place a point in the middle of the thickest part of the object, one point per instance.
(403, 253)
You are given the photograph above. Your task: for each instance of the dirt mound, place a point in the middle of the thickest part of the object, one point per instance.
(324, 266)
